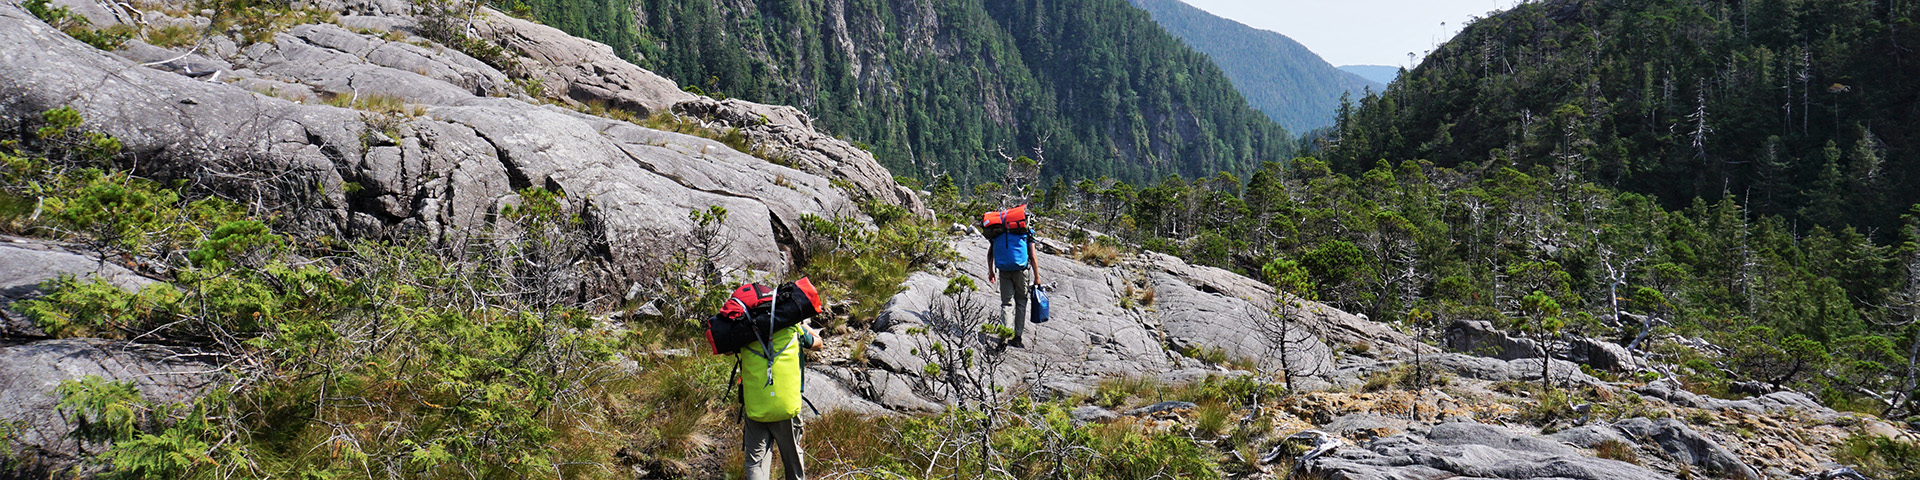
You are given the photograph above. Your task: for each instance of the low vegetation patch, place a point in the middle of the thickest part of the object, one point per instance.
(1406, 377)
(1098, 253)
(1617, 450)
(1028, 440)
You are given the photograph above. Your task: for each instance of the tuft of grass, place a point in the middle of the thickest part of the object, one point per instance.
(841, 440)
(1617, 450)
(376, 103)
(1359, 348)
(1213, 355)
(1210, 419)
(1113, 393)
(1219, 356)
(1548, 407)
(384, 113)
(1405, 377)
(173, 36)
(1701, 417)
(1097, 254)
(859, 355)
(672, 404)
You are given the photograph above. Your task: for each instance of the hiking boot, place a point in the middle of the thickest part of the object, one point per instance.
(1018, 342)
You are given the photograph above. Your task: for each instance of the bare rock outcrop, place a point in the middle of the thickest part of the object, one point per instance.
(1487, 454)
(34, 369)
(1091, 337)
(334, 60)
(1688, 447)
(1479, 337)
(26, 264)
(440, 163)
(1132, 320)
(788, 133)
(575, 68)
(588, 72)
(1334, 326)
(1777, 402)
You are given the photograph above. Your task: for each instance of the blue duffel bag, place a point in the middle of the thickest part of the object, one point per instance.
(1039, 313)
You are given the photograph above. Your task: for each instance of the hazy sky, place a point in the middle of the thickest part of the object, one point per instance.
(1358, 32)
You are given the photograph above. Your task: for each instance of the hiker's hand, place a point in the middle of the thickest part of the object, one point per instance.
(817, 341)
(990, 275)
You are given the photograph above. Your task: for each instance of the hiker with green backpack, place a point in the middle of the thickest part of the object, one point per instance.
(765, 330)
(773, 418)
(1009, 257)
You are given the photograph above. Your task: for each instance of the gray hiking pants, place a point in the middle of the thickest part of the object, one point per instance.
(1014, 300)
(757, 439)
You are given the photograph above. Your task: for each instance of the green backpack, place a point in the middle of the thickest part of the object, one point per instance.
(771, 384)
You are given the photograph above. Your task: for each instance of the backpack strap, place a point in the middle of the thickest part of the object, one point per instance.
(739, 388)
(766, 344)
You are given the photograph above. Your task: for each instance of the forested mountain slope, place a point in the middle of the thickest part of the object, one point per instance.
(1798, 108)
(1278, 76)
(1088, 87)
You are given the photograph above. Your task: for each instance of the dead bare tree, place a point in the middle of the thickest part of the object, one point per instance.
(964, 352)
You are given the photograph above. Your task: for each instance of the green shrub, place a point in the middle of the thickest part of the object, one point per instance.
(173, 36)
(78, 27)
(258, 20)
(1406, 377)
(1161, 245)
(110, 38)
(1880, 457)
(1112, 393)
(868, 266)
(100, 410)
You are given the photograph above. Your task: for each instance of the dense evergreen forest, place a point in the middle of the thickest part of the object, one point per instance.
(960, 88)
(1726, 295)
(1279, 76)
(1803, 109)
(1721, 185)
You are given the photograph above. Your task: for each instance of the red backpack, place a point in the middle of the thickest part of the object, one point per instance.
(755, 311)
(1012, 220)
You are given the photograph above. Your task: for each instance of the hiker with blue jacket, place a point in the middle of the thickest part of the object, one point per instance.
(1010, 257)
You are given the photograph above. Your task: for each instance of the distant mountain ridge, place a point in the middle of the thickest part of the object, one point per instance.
(1279, 76)
(1382, 74)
